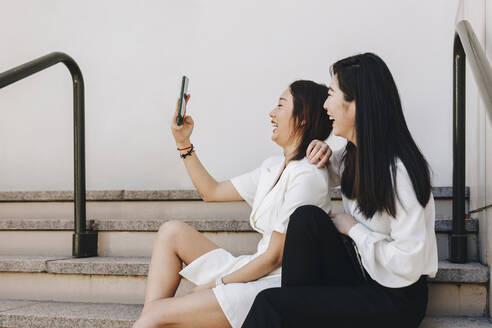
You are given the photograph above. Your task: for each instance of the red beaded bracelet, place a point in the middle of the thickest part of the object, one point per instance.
(181, 149)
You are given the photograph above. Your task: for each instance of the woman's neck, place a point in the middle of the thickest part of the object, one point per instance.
(289, 153)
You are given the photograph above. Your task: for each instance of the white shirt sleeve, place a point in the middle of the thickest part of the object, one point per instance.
(306, 187)
(400, 258)
(247, 184)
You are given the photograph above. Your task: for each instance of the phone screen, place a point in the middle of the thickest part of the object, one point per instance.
(182, 101)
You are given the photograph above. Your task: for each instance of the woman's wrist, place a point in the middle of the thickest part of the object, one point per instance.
(185, 148)
(183, 144)
(186, 151)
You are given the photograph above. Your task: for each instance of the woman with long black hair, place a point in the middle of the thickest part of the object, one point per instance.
(366, 267)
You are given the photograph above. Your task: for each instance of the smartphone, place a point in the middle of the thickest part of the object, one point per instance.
(182, 101)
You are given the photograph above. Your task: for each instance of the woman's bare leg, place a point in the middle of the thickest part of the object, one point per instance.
(199, 309)
(176, 242)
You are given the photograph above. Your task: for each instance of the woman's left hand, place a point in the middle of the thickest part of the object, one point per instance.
(343, 222)
(199, 288)
(318, 152)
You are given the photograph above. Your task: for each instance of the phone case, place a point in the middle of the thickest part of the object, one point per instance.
(182, 101)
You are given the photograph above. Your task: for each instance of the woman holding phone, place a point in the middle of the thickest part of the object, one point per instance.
(389, 215)
(226, 284)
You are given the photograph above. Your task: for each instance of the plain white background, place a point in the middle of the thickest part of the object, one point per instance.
(240, 55)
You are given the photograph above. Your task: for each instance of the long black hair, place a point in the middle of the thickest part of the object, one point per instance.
(382, 137)
(310, 119)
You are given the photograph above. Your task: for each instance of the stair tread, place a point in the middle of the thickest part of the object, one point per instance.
(461, 272)
(144, 224)
(10, 263)
(150, 195)
(66, 314)
(472, 272)
(131, 266)
(14, 313)
(456, 322)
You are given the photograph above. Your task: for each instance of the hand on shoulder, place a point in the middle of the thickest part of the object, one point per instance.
(318, 153)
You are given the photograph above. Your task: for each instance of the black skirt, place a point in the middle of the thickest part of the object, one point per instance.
(325, 285)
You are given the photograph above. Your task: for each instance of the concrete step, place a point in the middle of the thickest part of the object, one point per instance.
(458, 289)
(172, 204)
(456, 322)
(443, 225)
(61, 314)
(472, 272)
(445, 192)
(134, 236)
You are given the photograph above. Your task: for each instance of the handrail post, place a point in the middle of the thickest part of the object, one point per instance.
(458, 244)
(84, 243)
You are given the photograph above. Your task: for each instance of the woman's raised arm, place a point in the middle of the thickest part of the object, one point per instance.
(210, 190)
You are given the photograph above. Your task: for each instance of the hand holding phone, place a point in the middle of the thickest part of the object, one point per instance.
(182, 100)
(182, 124)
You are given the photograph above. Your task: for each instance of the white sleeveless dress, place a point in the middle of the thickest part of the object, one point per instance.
(301, 183)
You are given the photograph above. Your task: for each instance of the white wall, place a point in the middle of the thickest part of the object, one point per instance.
(239, 55)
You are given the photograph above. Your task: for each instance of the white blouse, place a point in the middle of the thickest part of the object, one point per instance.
(300, 183)
(272, 203)
(395, 251)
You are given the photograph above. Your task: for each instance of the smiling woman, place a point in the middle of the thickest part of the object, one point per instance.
(228, 284)
(294, 122)
(341, 111)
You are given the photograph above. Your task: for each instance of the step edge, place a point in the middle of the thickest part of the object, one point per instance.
(468, 273)
(61, 308)
(444, 192)
(73, 316)
(152, 225)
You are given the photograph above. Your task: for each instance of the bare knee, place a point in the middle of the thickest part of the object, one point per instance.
(170, 229)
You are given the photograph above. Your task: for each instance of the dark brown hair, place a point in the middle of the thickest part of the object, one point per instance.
(310, 119)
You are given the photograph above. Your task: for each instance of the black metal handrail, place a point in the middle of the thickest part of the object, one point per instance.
(466, 45)
(84, 242)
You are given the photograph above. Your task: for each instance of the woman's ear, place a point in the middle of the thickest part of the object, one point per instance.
(302, 124)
